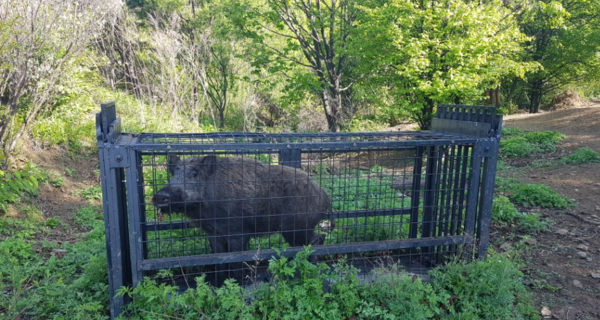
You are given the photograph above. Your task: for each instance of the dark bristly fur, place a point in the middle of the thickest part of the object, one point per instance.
(235, 199)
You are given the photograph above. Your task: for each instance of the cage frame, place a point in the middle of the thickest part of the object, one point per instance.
(120, 155)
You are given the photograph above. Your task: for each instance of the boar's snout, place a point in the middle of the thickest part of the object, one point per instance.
(161, 199)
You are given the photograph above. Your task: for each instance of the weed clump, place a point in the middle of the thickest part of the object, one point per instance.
(581, 156)
(534, 195)
(524, 144)
(490, 289)
(504, 212)
(531, 194)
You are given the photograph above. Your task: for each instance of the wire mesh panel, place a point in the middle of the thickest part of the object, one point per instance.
(221, 204)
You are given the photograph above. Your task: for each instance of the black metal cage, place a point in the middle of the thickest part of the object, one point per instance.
(215, 203)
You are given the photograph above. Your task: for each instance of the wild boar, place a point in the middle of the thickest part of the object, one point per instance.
(233, 199)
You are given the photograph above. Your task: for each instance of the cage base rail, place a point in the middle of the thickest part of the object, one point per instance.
(331, 249)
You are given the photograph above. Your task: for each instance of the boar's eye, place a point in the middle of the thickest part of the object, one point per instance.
(193, 173)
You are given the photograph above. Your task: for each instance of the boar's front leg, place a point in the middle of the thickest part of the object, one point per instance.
(228, 244)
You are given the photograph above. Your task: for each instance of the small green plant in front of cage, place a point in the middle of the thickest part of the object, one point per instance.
(394, 292)
(504, 212)
(484, 289)
(543, 163)
(581, 156)
(544, 137)
(490, 289)
(539, 195)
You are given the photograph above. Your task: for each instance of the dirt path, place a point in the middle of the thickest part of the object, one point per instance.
(564, 262)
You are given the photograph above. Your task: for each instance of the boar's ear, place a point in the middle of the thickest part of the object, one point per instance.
(208, 165)
(173, 161)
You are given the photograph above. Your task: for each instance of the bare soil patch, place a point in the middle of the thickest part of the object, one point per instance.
(564, 262)
(75, 171)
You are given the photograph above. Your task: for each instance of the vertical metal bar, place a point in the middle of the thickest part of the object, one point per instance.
(446, 178)
(473, 192)
(457, 189)
(487, 197)
(115, 217)
(430, 190)
(416, 193)
(459, 192)
(135, 194)
(445, 201)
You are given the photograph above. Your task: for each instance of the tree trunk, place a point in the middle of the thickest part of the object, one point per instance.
(426, 114)
(493, 96)
(332, 103)
(535, 95)
(222, 117)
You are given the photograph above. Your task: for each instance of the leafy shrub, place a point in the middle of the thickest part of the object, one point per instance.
(530, 195)
(56, 181)
(18, 183)
(581, 156)
(90, 193)
(544, 137)
(19, 229)
(480, 290)
(518, 143)
(394, 294)
(89, 216)
(517, 147)
(503, 210)
(490, 289)
(361, 124)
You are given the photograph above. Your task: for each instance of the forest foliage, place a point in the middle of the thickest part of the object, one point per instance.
(295, 65)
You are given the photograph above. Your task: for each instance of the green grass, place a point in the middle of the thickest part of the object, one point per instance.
(490, 289)
(89, 217)
(539, 195)
(532, 195)
(504, 212)
(518, 143)
(90, 193)
(355, 190)
(581, 156)
(35, 285)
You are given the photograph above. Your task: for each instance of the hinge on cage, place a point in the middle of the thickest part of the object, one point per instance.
(119, 157)
(488, 147)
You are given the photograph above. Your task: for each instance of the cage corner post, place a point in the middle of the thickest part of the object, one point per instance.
(487, 195)
(114, 204)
